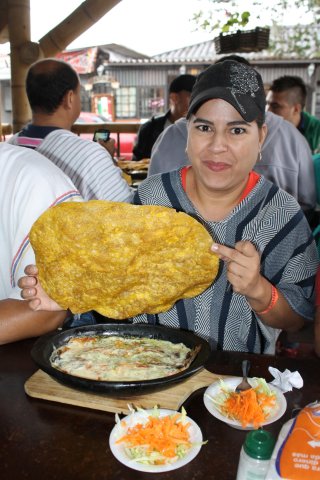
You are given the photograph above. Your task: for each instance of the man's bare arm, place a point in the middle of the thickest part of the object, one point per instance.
(19, 321)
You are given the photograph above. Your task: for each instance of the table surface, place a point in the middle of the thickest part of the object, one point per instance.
(114, 127)
(43, 439)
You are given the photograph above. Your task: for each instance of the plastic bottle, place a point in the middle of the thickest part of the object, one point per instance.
(255, 455)
(272, 472)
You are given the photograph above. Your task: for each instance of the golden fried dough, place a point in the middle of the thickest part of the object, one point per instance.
(120, 259)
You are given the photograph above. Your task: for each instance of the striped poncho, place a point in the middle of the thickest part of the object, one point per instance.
(288, 260)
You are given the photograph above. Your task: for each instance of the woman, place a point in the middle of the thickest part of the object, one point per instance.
(259, 231)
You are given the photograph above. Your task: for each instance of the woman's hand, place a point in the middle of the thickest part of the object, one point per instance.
(243, 268)
(34, 293)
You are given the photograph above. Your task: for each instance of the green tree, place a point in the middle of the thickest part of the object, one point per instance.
(301, 39)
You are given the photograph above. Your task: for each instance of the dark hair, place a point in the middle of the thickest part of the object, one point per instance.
(182, 82)
(47, 83)
(295, 86)
(235, 58)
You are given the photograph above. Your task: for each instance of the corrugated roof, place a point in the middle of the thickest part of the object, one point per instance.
(200, 52)
(205, 53)
(120, 52)
(84, 60)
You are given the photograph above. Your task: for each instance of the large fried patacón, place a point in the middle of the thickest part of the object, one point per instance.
(120, 259)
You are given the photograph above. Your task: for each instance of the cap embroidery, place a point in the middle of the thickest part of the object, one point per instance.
(243, 81)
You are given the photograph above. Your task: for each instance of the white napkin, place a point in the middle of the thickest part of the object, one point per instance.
(286, 380)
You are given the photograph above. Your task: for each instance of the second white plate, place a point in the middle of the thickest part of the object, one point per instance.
(215, 389)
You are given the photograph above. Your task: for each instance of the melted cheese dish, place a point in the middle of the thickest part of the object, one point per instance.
(114, 358)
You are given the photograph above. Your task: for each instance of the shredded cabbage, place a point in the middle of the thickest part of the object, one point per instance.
(258, 384)
(142, 453)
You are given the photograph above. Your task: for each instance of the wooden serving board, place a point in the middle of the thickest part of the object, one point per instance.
(41, 385)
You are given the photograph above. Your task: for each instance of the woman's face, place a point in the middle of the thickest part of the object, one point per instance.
(222, 147)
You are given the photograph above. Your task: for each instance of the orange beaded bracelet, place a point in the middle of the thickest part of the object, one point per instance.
(273, 301)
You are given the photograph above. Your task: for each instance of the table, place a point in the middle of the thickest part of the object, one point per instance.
(42, 439)
(114, 127)
(137, 170)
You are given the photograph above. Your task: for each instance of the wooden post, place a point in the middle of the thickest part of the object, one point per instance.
(19, 34)
(86, 15)
(24, 52)
(3, 21)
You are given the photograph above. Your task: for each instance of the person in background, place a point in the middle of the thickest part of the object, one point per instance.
(287, 98)
(268, 255)
(29, 184)
(53, 90)
(285, 157)
(179, 96)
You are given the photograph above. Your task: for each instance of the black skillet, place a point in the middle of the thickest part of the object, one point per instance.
(45, 345)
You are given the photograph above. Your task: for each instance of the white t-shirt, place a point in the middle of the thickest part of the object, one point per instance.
(29, 184)
(87, 163)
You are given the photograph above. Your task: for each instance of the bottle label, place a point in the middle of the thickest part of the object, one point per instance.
(299, 456)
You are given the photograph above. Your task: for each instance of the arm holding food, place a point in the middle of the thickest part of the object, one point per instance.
(18, 321)
(30, 184)
(32, 291)
(243, 273)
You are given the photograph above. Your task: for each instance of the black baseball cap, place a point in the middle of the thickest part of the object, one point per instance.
(236, 83)
(183, 82)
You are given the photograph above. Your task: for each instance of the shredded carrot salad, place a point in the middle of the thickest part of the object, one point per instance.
(250, 406)
(160, 440)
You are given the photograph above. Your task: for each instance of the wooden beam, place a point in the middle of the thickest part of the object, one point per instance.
(4, 32)
(24, 52)
(86, 15)
(19, 35)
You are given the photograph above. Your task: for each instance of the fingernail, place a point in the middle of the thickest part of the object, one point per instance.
(214, 247)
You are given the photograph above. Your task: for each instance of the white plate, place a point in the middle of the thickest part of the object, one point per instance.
(119, 452)
(215, 388)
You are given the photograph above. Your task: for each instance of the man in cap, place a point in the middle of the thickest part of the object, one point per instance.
(179, 97)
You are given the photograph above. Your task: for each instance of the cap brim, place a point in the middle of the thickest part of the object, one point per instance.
(245, 106)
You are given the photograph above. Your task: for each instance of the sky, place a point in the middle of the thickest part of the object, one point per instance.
(147, 26)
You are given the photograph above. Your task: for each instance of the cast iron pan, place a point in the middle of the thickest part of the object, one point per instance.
(45, 345)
